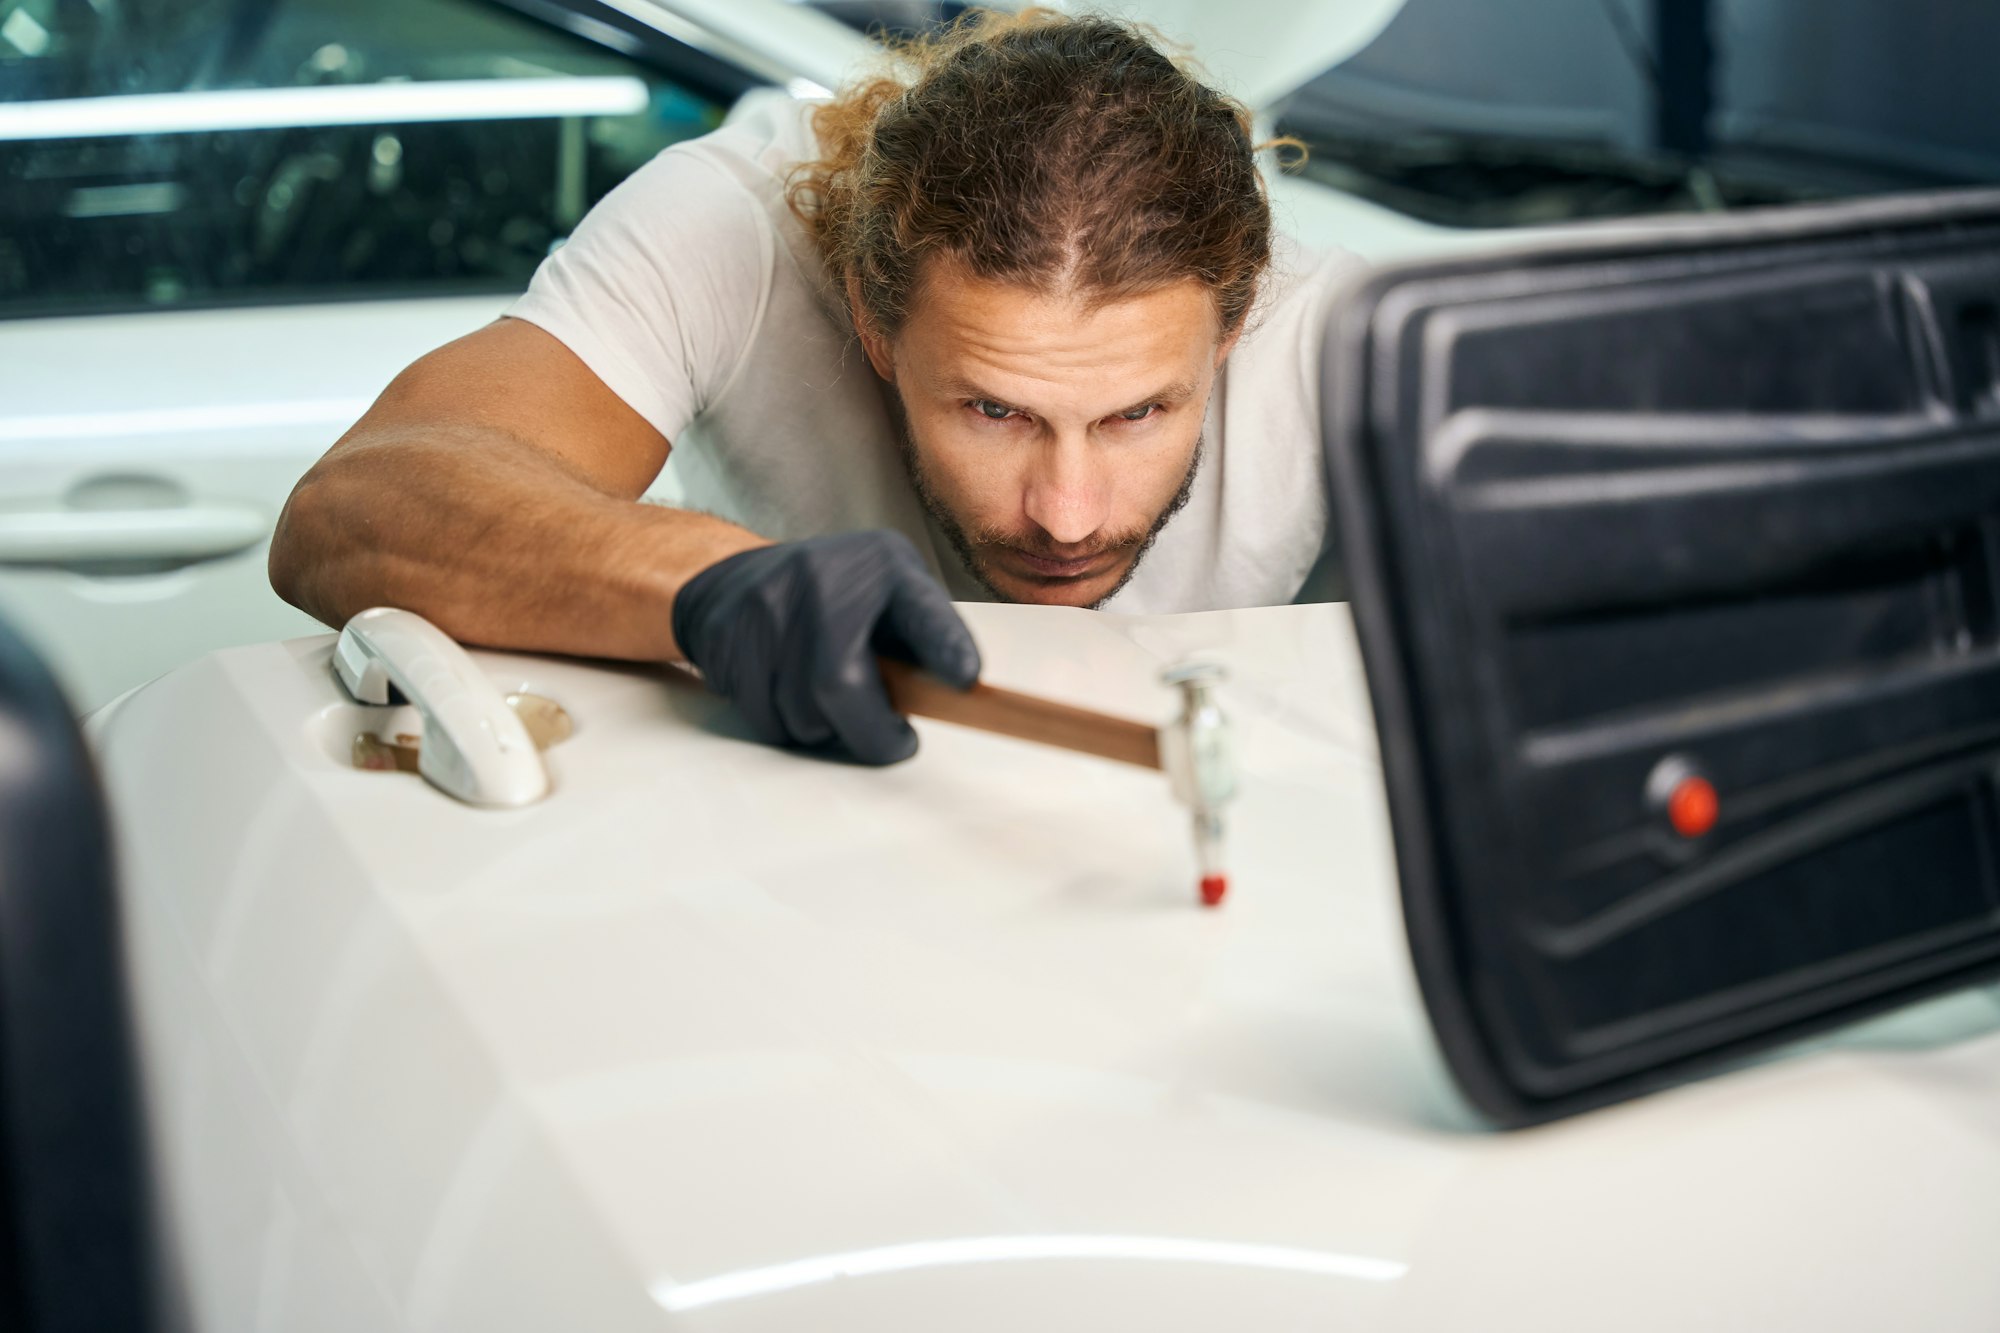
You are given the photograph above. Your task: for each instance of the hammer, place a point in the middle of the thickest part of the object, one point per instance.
(1193, 749)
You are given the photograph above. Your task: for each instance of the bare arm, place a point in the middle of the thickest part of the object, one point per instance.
(492, 489)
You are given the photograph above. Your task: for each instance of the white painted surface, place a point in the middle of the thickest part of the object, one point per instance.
(720, 1038)
(180, 414)
(772, 37)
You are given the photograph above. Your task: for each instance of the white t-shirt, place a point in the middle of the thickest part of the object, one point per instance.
(693, 292)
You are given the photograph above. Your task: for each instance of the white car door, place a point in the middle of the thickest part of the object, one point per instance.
(224, 226)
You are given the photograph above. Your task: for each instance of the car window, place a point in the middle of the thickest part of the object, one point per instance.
(1502, 113)
(160, 153)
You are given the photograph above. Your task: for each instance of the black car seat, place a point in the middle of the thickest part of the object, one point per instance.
(73, 1210)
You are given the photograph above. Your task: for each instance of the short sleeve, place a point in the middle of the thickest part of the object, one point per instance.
(662, 286)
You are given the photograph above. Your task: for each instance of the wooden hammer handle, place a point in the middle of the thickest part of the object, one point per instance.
(1023, 716)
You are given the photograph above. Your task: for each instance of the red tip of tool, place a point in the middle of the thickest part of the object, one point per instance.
(1213, 887)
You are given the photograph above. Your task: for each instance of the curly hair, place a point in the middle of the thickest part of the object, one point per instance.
(1070, 155)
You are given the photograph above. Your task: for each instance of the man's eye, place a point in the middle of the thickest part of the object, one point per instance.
(1139, 413)
(992, 411)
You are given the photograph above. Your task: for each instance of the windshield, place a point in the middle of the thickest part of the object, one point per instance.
(1502, 113)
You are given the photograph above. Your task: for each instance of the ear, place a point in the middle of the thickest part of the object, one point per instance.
(1227, 343)
(872, 342)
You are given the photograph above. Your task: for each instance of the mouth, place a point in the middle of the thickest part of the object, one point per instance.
(1045, 570)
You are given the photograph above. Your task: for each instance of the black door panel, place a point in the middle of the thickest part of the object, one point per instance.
(1676, 563)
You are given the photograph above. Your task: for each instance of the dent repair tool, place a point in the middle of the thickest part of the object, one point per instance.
(1193, 749)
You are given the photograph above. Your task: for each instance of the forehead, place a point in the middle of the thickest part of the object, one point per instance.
(965, 326)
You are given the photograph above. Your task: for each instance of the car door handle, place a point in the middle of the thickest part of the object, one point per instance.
(475, 747)
(164, 538)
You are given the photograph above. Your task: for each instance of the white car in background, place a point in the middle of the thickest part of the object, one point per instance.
(207, 277)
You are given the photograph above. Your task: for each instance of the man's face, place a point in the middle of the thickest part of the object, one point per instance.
(1051, 440)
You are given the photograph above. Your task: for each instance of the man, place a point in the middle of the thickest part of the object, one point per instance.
(968, 322)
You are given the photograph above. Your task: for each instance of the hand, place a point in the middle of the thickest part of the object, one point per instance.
(790, 634)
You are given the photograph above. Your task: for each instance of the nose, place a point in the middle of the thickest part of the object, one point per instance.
(1068, 495)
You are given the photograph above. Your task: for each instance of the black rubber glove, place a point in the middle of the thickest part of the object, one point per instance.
(790, 634)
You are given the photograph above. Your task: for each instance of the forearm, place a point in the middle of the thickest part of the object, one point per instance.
(494, 541)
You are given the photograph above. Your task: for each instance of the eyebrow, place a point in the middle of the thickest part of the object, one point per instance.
(1178, 392)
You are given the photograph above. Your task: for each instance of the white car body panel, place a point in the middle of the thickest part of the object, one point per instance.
(783, 41)
(1320, 218)
(212, 406)
(717, 1037)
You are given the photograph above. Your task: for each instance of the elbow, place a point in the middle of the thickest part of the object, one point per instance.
(300, 556)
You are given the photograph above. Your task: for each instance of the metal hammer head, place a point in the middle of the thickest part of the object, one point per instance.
(1196, 751)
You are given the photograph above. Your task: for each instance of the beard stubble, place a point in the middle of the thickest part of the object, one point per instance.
(968, 545)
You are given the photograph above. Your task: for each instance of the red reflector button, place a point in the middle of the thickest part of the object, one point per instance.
(1693, 806)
